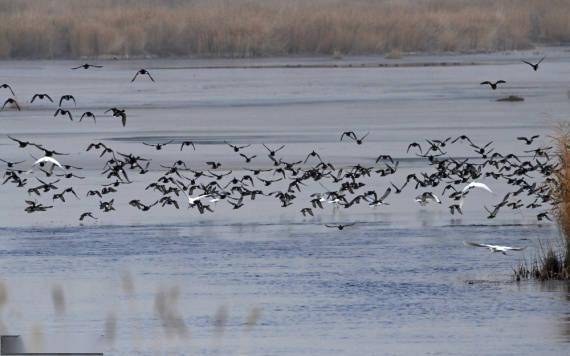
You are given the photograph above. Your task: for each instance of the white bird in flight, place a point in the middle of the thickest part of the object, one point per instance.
(426, 198)
(44, 160)
(476, 185)
(494, 248)
(470, 186)
(193, 200)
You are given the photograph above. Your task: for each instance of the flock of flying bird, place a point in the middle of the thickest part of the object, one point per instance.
(531, 177)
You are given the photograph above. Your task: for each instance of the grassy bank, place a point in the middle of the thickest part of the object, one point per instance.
(244, 28)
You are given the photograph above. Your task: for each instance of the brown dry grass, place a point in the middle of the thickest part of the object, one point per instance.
(553, 261)
(243, 28)
(563, 195)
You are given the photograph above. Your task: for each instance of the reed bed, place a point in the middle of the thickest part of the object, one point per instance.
(248, 28)
(553, 259)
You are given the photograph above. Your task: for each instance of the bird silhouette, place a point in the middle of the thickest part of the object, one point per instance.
(493, 85)
(87, 66)
(142, 72)
(534, 65)
(11, 101)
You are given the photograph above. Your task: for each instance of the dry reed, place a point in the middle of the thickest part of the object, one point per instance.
(245, 28)
(553, 261)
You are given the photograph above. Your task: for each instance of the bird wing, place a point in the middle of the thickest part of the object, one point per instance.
(486, 82)
(500, 81)
(530, 64)
(434, 197)
(475, 244)
(50, 160)
(476, 185)
(11, 91)
(150, 76)
(386, 193)
(514, 248)
(543, 58)
(201, 197)
(349, 134)
(414, 144)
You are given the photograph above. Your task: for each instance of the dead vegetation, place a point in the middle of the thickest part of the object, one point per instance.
(247, 28)
(553, 259)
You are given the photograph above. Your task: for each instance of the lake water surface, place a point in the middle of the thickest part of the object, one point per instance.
(264, 280)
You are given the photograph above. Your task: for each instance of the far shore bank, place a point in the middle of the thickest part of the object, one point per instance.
(58, 29)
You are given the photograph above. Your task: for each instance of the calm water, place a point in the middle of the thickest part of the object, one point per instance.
(264, 280)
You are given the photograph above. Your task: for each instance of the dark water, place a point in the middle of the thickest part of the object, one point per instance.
(264, 280)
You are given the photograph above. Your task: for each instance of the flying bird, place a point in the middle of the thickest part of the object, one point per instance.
(142, 72)
(495, 248)
(187, 143)
(158, 146)
(87, 66)
(119, 113)
(41, 97)
(470, 186)
(272, 152)
(11, 101)
(427, 197)
(247, 159)
(11, 164)
(340, 227)
(63, 112)
(534, 66)
(352, 135)
(235, 147)
(42, 161)
(476, 185)
(6, 86)
(88, 114)
(414, 145)
(87, 214)
(67, 97)
(529, 140)
(493, 85)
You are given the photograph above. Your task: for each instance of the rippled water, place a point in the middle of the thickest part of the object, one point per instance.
(399, 282)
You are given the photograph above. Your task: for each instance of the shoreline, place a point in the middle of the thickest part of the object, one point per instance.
(363, 61)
